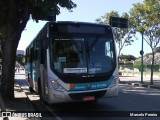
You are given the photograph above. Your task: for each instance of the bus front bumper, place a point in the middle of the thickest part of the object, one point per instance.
(61, 97)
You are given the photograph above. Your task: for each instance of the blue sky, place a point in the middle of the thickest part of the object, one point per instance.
(87, 11)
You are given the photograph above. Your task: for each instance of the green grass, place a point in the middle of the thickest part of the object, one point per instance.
(154, 73)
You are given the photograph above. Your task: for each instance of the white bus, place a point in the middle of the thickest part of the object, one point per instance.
(73, 61)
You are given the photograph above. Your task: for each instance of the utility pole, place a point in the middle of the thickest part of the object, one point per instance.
(142, 52)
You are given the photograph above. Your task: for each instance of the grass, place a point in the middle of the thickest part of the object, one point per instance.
(155, 73)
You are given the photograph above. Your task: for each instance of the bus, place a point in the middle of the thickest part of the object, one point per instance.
(72, 61)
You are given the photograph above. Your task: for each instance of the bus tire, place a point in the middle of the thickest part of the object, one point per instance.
(39, 88)
(40, 93)
(31, 89)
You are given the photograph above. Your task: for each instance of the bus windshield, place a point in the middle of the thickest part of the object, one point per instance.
(82, 54)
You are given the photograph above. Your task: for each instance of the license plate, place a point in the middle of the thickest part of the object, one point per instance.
(88, 98)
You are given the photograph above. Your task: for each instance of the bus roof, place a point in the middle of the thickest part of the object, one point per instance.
(69, 23)
(76, 22)
(77, 27)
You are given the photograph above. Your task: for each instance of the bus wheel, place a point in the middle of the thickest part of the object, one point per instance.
(39, 89)
(31, 89)
(40, 93)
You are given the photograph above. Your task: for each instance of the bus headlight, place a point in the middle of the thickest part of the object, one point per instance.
(57, 86)
(114, 82)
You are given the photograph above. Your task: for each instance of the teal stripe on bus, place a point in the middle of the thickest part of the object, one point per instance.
(92, 85)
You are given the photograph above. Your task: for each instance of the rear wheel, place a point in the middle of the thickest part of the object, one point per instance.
(39, 89)
(40, 92)
(31, 89)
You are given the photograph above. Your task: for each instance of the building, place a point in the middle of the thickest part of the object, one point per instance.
(20, 52)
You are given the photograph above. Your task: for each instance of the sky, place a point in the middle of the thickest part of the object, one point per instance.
(87, 11)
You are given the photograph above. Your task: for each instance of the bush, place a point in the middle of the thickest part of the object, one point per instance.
(147, 67)
(120, 73)
(138, 66)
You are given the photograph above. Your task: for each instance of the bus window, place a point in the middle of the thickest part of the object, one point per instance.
(67, 54)
(30, 55)
(108, 50)
(100, 59)
(43, 51)
(91, 53)
(27, 56)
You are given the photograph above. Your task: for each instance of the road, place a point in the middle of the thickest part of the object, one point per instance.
(130, 100)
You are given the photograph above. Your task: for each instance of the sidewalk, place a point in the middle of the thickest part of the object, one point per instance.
(20, 104)
(135, 80)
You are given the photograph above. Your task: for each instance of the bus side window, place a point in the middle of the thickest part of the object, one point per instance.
(36, 54)
(43, 51)
(31, 55)
(27, 56)
(43, 56)
(36, 47)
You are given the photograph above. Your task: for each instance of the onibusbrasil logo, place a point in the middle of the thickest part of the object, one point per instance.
(21, 114)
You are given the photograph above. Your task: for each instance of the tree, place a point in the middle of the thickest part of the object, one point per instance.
(14, 15)
(158, 49)
(20, 59)
(145, 18)
(2, 39)
(127, 57)
(123, 36)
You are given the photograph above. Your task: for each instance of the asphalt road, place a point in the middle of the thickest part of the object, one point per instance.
(131, 101)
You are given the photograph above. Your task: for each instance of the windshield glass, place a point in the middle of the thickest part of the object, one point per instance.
(82, 54)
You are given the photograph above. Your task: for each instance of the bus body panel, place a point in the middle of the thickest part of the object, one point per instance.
(58, 97)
